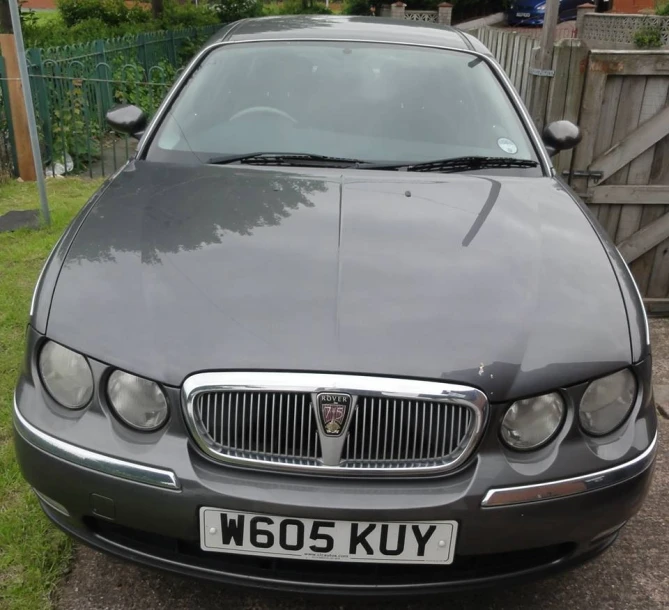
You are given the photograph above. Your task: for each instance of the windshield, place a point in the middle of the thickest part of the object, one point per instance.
(372, 102)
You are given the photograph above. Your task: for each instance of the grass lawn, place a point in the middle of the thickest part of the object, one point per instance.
(33, 554)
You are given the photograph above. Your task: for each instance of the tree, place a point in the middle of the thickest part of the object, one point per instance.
(157, 8)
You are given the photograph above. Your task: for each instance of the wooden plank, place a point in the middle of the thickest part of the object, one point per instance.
(638, 63)
(646, 238)
(511, 36)
(557, 92)
(633, 145)
(593, 96)
(605, 126)
(627, 120)
(655, 97)
(657, 307)
(658, 283)
(504, 39)
(654, 194)
(528, 45)
(24, 152)
(659, 174)
(514, 61)
(574, 87)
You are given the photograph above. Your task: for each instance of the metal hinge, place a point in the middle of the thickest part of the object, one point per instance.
(595, 175)
(538, 72)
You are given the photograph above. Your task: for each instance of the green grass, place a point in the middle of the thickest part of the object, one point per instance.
(33, 554)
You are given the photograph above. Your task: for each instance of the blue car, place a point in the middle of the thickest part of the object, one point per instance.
(531, 12)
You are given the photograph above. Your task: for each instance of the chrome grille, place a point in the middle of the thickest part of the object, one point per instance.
(391, 426)
(404, 433)
(262, 426)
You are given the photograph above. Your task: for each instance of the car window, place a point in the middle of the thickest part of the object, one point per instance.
(374, 102)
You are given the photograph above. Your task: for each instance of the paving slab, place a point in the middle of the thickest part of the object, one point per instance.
(632, 575)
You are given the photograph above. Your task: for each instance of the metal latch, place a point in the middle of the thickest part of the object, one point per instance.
(595, 175)
(538, 72)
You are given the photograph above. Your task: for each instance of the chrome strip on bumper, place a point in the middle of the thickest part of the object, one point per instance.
(131, 471)
(550, 490)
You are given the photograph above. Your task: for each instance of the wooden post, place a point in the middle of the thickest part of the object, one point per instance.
(581, 11)
(542, 65)
(24, 153)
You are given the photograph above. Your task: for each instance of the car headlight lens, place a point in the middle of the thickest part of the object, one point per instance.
(532, 422)
(607, 402)
(66, 375)
(138, 402)
(541, 8)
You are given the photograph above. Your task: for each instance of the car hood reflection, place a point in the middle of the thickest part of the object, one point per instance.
(495, 281)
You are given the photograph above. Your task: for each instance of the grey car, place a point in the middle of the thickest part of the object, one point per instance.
(338, 327)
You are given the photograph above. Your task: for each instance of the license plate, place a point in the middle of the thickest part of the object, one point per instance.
(523, 15)
(244, 533)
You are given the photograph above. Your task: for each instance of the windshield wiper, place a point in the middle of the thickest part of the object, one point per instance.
(459, 164)
(286, 159)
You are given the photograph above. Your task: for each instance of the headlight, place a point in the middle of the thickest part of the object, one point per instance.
(541, 8)
(532, 422)
(138, 402)
(607, 402)
(66, 375)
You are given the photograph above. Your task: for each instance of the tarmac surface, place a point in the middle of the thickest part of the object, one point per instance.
(632, 575)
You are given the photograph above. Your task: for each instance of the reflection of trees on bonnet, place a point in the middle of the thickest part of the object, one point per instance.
(160, 208)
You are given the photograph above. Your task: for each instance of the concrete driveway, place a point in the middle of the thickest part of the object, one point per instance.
(633, 574)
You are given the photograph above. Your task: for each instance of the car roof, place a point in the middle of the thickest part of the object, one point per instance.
(330, 27)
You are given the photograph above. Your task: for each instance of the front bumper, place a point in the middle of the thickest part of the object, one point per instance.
(130, 507)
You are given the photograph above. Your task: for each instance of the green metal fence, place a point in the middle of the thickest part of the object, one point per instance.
(73, 86)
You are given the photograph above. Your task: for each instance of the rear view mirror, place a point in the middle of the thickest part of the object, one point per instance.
(561, 135)
(127, 118)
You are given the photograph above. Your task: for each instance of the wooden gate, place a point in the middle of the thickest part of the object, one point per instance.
(621, 168)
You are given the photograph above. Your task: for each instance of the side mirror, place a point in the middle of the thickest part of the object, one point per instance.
(127, 118)
(561, 135)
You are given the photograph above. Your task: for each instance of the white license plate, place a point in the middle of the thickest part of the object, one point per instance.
(523, 15)
(227, 531)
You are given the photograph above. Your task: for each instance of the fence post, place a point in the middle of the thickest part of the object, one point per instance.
(445, 13)
(8, 116)
(397, 10)
(172, 50)
(581, 11)
(566, 89)
(103, 76)
(141, 49)
(24, 156)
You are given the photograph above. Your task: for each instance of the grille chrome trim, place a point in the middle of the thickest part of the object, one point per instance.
(390, 390)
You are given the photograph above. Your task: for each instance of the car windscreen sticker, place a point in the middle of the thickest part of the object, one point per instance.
(508, 146)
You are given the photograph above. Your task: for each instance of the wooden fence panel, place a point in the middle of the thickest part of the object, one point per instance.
(513, 51)
(624, 160)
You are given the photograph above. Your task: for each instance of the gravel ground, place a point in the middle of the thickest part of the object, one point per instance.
(632, 575)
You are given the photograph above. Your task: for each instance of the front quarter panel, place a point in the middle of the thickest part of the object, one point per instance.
(46, 282)
(636, 312)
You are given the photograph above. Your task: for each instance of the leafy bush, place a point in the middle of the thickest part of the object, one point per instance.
(648, 37)
(297, 7)
(662, 9)
(86, 20)
(111, 12)
(176, 16)
(357, 7)
(233, 10)
(89, 29)
(134, 86)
